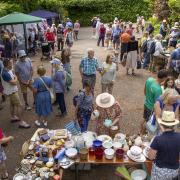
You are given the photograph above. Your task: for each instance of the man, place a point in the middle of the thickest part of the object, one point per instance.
(147, 54)
(163, 28)
(152, 91)
(116, 32)
(24, 73)
(9, 82)
(174, 61)
(60, 37)
(87, 68)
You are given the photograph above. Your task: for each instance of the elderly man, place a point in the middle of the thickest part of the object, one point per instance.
(24, 73)
(87, 68)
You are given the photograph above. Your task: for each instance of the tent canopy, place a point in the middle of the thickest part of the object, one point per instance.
(44, 14)
(18, 18)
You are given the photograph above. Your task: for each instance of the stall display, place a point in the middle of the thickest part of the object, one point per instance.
(51, 151)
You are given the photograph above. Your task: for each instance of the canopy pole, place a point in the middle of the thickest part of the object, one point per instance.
(25, 36)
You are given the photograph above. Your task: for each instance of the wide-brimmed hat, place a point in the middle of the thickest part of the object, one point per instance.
(105, 100)
(21, 53)
(55, 61)
(168, 119)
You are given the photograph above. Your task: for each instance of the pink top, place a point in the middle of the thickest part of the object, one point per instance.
(76, 26)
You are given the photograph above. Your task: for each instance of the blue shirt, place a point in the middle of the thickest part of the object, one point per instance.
(59, 81)
(175, 56)
(116, 31)
(24, 70)
(162, 30)
(85, 102)
(167, 146)
(6, 76)
(89, 66)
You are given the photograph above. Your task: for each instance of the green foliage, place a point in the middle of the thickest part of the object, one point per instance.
(155, 23)
(6, 8)
(175, 10)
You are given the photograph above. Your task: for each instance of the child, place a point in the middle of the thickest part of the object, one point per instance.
(116, 59)
(3, 141)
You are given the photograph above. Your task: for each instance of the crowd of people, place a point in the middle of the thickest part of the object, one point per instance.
(124, 48)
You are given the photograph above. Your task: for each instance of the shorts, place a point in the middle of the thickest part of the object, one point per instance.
(14, 99)
(23, 87)
(116, 40)
(147, 113)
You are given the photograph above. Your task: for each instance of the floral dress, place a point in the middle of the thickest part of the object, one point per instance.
(112, 113)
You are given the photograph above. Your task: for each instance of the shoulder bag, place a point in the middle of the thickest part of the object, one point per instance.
(50, 91)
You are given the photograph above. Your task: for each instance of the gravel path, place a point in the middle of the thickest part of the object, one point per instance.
(128, 91)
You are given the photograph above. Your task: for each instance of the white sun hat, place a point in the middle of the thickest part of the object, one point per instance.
(168, 119)
(105, 100)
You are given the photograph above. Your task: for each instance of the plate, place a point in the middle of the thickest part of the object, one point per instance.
(141, 159)
(19, 176)
(104, 138)
(138, 174)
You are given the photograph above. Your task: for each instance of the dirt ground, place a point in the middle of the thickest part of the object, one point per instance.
(128, 90)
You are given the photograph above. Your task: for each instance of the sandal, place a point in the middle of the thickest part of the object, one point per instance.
(6, 176)
(24, 125)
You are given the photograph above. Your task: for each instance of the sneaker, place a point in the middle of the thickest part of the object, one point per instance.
(28, 108)
(37, 123)
(45, 123)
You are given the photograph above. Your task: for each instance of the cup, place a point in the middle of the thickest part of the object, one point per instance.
(91, 151)
(119, 153)
(83, 153)
(99, 153)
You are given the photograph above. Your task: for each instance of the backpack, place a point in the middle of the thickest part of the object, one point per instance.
(76, 97)
(144, 46)
(152, 48)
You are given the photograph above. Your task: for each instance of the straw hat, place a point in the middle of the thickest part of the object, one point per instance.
(22, 53)
(168, 119)
(105, 100)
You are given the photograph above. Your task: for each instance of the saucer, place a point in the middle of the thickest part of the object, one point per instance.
(141, 159)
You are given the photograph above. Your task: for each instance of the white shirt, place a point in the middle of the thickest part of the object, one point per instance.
(110, 73)
(158, 48)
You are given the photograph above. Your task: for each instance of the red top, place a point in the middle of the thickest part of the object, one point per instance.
(102, 31)
(50, 36)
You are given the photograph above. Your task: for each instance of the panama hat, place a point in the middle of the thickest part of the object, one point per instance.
(168, 119)
(21, 53)
(105, 100)
(56, 61)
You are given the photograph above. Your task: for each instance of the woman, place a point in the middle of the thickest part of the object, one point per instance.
(132, 55)
(169, 84)
(84, 107)
(65, 59)
(167, 102)
(43, 105)
(108, 74)
(50, 37)
(109, 109)
(59, 84)
(76, 29)
(108, 37)
(69, 38)
(165, 149)
(150, 29)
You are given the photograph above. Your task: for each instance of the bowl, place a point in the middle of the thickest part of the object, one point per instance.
(107, 144)
(83, 153)
(99, 153)
(71, 153)
(109, 153)
(117, 145)
(69, 144)
(49, 164)
(138, 174)
(119, 153)
(135, 151)
(120, 137)
(97, 143)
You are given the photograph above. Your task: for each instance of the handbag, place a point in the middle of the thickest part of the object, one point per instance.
(123, 63)
(151, 125)
(68, 79)
(139, 64)
(50, 91)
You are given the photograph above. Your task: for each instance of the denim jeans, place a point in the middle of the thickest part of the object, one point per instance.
(60, 100)
(146, 60)
(101, 38)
